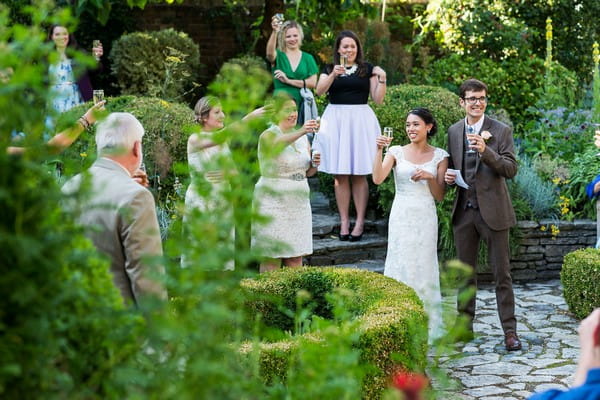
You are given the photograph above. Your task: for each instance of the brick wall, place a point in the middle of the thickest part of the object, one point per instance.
(220, 36)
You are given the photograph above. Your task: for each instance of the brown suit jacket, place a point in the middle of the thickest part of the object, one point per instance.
(495, 164)
(122, 222)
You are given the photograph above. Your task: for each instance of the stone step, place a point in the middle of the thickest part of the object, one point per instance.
(329, 250)
(325, 224)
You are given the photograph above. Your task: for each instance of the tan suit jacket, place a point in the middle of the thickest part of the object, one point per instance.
(494, 166)
(121, 219)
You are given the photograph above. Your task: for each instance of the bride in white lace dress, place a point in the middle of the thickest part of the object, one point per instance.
(419, 170)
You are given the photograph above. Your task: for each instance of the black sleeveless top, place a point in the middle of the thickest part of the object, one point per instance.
(350, 89)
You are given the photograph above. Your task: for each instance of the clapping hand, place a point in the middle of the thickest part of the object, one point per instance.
(383, 141)
(141, 177)
(421, 175)
(280, 75)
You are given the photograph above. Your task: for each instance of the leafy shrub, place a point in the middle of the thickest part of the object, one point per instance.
(560, 133)
(63, 324)
(161, 63)
(514, 84)
(392, 324)
(583, 169)
(478, 28)
(501, 28)
(165, 141)
(539, 195)
(580, 277)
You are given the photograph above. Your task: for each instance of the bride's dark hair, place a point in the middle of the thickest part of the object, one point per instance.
(426, 116)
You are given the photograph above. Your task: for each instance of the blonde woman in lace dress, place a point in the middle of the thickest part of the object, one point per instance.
(282, 193)
(419, 170)
(206, 156)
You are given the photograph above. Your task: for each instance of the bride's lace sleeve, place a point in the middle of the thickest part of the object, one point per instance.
(439, 155)
(396, 151)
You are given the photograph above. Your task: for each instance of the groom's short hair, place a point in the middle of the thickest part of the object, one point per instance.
(473, 85)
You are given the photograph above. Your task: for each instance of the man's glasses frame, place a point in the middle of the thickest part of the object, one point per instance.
(473, 100)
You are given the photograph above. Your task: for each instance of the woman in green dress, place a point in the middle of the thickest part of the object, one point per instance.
(293, 68)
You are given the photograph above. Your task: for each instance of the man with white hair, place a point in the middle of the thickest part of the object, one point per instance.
(119, 211)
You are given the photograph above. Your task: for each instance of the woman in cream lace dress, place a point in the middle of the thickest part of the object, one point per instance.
(206, 158)
(282, 193)
(419, 170)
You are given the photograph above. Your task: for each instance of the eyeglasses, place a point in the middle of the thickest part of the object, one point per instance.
(473, 100)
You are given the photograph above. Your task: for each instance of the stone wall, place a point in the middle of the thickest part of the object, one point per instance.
(540, 254)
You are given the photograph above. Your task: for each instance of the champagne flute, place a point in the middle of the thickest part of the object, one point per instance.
(470, 131)
(388, 132)
(280, 18)
(95, 44)
(98, 96)
(344, 62)
(315, 151)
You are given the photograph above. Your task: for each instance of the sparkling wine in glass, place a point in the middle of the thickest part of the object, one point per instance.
(344, 62)
(470, 131)
(98, 96)
(96, 44)
(318, 121)
(388, 131)
(280, 18)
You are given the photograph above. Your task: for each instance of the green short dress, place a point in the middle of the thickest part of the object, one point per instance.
(307, 67)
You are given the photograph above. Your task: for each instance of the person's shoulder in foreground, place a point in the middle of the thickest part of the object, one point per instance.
(590, 390)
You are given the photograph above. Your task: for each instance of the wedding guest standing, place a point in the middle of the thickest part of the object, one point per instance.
(120, 214)
(349, 128)
(482, 149)
(293, 68)
(282, 192)
(68, 90)
(206, 158)
(419, 170)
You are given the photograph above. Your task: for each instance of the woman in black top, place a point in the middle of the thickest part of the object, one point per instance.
(349, 127)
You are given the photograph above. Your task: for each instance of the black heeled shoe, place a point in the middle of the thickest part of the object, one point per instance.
(353, 238)
(344, 238)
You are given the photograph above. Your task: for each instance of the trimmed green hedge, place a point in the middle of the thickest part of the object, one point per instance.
(392, 323)
(580, 277)
(161, 63)
(165, 140)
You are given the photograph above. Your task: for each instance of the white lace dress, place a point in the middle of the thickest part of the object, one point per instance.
(203, 164)
(412, 236)
(282, 195)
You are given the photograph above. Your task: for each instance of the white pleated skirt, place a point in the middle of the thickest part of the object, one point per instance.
(346, 139)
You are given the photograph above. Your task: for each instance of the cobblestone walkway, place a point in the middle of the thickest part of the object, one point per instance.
(548, 358)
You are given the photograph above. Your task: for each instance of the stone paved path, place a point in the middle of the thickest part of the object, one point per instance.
(486, 371)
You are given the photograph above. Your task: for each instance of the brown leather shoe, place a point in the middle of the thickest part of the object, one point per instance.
(512, 342)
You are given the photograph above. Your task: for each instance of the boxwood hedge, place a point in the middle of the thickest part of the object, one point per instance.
(580, 276)
(392, 323)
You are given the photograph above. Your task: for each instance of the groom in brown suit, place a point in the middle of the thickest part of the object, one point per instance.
(482, 149)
